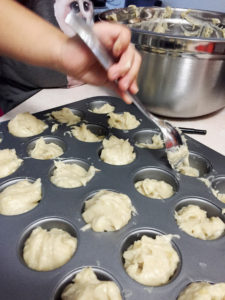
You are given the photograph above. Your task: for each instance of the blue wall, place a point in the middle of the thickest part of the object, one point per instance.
(115, 3)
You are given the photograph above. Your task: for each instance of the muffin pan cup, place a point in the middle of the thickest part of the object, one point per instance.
(59, 207)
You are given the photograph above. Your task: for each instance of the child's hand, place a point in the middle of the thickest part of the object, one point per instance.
(79, 62)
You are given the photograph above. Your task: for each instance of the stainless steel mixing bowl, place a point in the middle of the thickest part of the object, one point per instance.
(181, 76)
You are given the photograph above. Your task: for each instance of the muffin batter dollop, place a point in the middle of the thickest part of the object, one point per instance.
(104, 109)
(179, 161)
(108, 211)
(194, 221)
(66, 116)
(20, 197)
(124, 121)
(203, 290)
(151, 262)
(117, 151)
(47, 250)
(86, 286)
(157, 143)
(44, 150)
(82, 133)
(218, 195)
(152, 188)
(9, 162)
(71, 175)
(26, 125)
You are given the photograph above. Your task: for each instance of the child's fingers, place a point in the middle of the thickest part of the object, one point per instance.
(130, 77)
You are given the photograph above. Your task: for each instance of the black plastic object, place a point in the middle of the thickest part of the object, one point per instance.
(193, 130)
(99, 3)
(140, 2)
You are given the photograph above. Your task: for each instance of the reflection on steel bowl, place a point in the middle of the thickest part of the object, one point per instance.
(183, 52)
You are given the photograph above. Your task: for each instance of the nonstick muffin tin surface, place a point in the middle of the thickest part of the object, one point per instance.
(62, 208)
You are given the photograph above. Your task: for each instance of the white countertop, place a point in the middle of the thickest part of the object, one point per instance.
(49, 98)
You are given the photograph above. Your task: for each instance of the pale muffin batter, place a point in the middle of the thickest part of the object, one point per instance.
(26, 125)
(65, 115)
(108, 211)
(9, 162)
(83, 134)
(157, 143)
(54, 127)
(179, 160)
(153, 188)
(205, 181)
(47, 250)
(194, 221)
(44, 150)
(117, 151)
(218, 195)
(104, 109)
(86, 286)
(203, 291)
(124, 121)
(71, 175)
(20, 197)
(151, 261)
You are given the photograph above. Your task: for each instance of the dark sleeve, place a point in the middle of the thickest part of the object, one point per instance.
(19, 81)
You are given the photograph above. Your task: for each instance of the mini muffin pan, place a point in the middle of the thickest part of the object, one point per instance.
(62, 208)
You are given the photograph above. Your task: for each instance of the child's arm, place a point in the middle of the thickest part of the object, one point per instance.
(27, 37)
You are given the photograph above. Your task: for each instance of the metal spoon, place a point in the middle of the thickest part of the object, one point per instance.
(170, 134)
